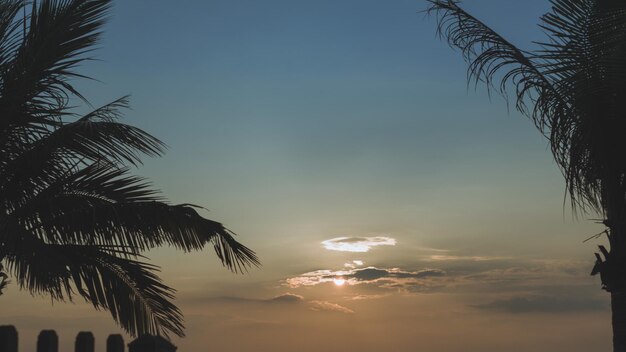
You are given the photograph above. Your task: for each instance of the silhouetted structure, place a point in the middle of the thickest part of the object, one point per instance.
(151, 343)
(85, 342)
(48, 341)
(8, 338)
(115, 343)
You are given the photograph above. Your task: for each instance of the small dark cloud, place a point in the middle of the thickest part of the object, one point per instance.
(371, 274)
(544, 304)
(287, 298)
(368, 274)
(283, 298)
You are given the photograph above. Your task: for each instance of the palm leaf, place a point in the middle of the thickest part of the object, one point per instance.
(4, 279)
(492, 58)
(35, 85)
(128, 289)
(104, 205)
(73, 219)
(552, 84)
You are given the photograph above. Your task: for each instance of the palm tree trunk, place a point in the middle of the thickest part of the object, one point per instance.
(618, 311)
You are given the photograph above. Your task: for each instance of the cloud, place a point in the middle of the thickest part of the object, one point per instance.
(475, 258)
(364, 275)
(544, 304)
(369, 274)
(329, 307)
(357, 244)
(313, 278)
(287, 298)
(372, 273)
(353, 264)
(364, 297)
(282, 298)
(292, 300)
(492, 279)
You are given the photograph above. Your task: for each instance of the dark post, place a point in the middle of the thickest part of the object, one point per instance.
(115, 343)
(48, 341)
(151, 343)
(84, 342)
(8, 338)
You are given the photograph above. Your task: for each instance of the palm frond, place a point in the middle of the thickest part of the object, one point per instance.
(77, 218)
(492, 58)
(571, 88)
(35, 82)
(4, 279)
(104, 205)
(10, 36)
(585, 54)
(96, 137)
(73, 220)
(130, 290)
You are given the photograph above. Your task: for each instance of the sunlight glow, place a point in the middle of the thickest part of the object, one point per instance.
(339, 281)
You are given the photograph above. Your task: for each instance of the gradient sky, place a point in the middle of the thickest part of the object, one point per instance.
(345, 122)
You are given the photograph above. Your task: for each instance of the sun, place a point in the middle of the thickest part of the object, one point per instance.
(339, 281)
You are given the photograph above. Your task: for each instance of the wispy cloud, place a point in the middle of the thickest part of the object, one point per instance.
(313, 278)
(354, 264)
(290, 300)
(329, 307)
(543, 304)
(363, 275)
(489, 277)
(357, 244)
(282, 298)
(475, 258)
(366, 297)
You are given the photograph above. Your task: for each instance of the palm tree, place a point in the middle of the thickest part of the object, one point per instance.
(73, 220)
(573, 87)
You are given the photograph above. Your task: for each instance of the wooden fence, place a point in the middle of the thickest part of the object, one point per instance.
(48, 341)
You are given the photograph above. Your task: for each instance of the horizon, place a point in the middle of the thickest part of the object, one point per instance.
(393, 207)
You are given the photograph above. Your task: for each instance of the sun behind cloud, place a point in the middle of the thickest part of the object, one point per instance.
(339, 281)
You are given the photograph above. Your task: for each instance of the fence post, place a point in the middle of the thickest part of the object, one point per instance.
(84, 342)
(8, 338)
(115, 343)
(48, 341)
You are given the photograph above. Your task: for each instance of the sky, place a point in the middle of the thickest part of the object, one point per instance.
(393, 208)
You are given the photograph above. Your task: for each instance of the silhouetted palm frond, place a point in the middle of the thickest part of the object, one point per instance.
(104, 276)
(4, 279)
(492, 59)
(574, 86)
(73, 220)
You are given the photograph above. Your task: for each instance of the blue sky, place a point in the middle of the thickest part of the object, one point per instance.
(296, 122)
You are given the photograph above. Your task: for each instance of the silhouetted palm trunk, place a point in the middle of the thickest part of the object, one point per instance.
(612, 270)
(618, 310)
(613, 278)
